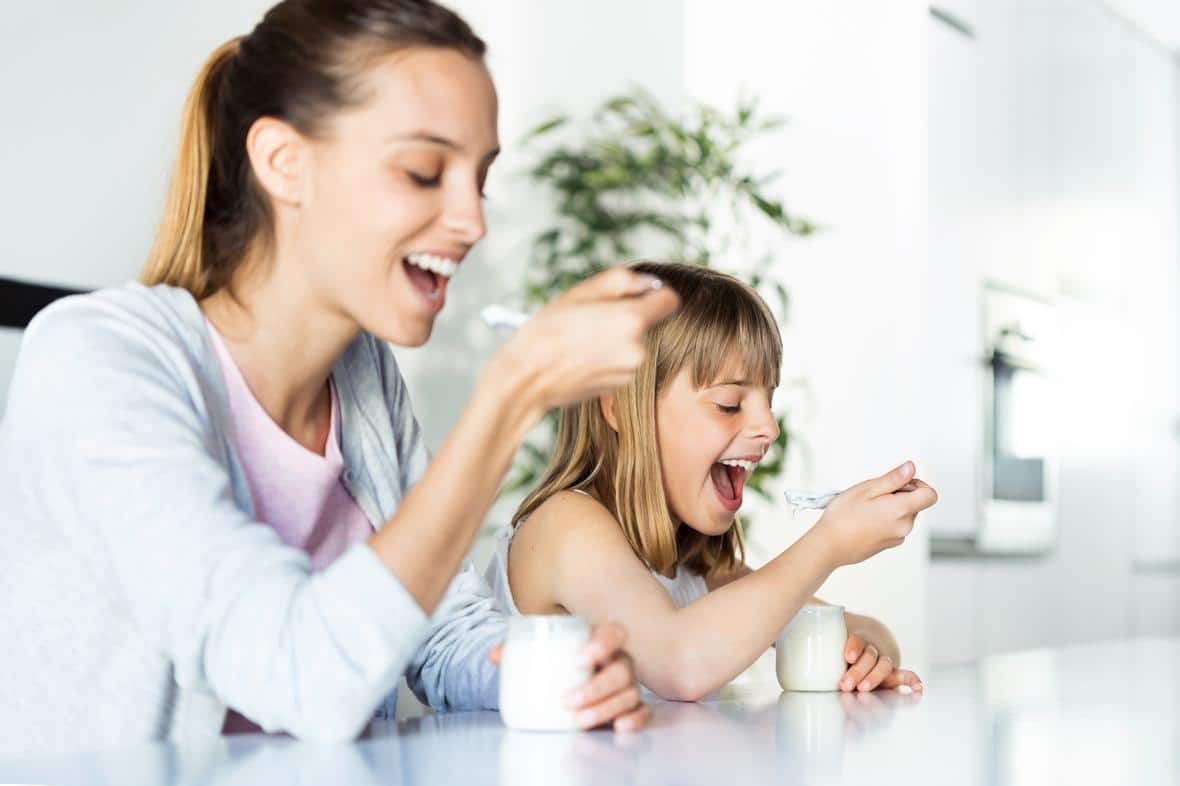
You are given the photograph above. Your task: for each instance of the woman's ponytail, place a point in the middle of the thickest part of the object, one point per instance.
(176, 255)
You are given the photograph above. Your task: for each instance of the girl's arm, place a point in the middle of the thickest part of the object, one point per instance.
(865, 628)
(573, 553)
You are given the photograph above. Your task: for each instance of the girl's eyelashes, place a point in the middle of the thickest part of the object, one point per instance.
(424, 181)
(729, 410)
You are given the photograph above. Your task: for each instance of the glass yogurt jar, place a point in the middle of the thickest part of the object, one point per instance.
(539, 668)
(810, 650)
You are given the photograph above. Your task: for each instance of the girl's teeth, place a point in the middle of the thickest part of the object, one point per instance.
(748, 466)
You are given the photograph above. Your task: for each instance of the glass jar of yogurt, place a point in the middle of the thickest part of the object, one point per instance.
(810, 650)
(538, 668)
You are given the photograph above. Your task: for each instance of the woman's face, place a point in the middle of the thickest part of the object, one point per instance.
(394, 182)
(727, 420)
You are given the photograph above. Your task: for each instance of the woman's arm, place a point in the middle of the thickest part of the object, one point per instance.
(586, 342)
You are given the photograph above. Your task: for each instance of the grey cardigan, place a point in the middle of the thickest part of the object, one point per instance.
(138, 596)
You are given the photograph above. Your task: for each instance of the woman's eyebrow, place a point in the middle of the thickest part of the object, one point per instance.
(435, 139)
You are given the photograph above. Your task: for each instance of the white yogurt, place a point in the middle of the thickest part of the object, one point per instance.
(538, 668)
(810, 650)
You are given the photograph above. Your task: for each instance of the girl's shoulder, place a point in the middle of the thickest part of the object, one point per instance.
(569, 523)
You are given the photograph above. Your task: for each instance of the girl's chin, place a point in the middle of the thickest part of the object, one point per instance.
(713, 523)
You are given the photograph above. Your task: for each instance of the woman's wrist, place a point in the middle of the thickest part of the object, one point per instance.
(508, 386)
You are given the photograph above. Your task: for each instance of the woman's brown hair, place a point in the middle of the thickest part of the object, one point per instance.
(721, 320)
(303, 62)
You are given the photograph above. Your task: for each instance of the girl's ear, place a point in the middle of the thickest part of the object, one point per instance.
(610, 410)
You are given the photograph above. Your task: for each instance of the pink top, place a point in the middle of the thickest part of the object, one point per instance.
(295, 491)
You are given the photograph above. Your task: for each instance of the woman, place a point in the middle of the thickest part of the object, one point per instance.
(219, 510)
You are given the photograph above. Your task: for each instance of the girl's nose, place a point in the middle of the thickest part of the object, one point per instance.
(763, 425)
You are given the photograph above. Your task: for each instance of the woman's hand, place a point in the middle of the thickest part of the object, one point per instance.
(874, 515)
(589, 340)
(873, 666)
(612, 694)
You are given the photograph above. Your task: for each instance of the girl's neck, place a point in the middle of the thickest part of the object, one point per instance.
(285, 342)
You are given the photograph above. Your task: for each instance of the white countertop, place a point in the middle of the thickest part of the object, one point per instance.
(1105, 713)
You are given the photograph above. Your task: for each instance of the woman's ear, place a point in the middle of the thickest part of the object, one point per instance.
(277, 155)
(610, 410)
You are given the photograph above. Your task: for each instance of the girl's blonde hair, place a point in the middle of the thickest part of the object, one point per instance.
(302, 63)
(721, 320)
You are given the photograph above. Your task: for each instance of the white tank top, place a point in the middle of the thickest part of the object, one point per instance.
(686, 587)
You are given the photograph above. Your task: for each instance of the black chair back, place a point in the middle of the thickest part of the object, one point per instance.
(20, 300)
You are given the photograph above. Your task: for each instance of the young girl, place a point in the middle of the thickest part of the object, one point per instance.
(219, 512)
(635, 519)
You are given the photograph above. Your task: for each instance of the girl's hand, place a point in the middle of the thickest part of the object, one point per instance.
(869, 669)
(612, 694)
(589, 340)
(874, 515)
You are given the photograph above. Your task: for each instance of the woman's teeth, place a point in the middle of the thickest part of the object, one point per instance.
(748, 466)
(440, 265)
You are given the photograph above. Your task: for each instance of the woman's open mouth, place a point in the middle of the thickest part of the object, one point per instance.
(429, 273)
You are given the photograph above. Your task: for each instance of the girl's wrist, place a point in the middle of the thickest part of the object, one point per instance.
(820, 542)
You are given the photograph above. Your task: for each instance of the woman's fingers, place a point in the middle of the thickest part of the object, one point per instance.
(612, 693)
(859, 670)
(619, 704)
(591, 340)
(611, 679)
(605, 640)
(635, 720)
(611, 284)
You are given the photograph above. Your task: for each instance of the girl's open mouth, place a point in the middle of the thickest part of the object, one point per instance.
(729, 480)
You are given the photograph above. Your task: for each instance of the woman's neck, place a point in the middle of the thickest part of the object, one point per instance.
(285, 341)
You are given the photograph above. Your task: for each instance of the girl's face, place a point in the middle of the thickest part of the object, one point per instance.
(728, 420)
(394, 182)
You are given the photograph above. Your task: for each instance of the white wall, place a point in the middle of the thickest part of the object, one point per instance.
(1054, 169)
(848, 78)
(92, 96)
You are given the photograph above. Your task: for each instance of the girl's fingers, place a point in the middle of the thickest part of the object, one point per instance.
(859, 670)
(606, 682)
(882, 670)
(496, 653)
(617, 705)
(853, 649)
(899, 677)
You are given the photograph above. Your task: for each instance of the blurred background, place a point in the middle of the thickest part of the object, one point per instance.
(991, 287)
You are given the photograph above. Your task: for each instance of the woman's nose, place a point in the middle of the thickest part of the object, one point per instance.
(464, 216)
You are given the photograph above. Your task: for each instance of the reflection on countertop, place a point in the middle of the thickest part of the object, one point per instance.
(1097, 713)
